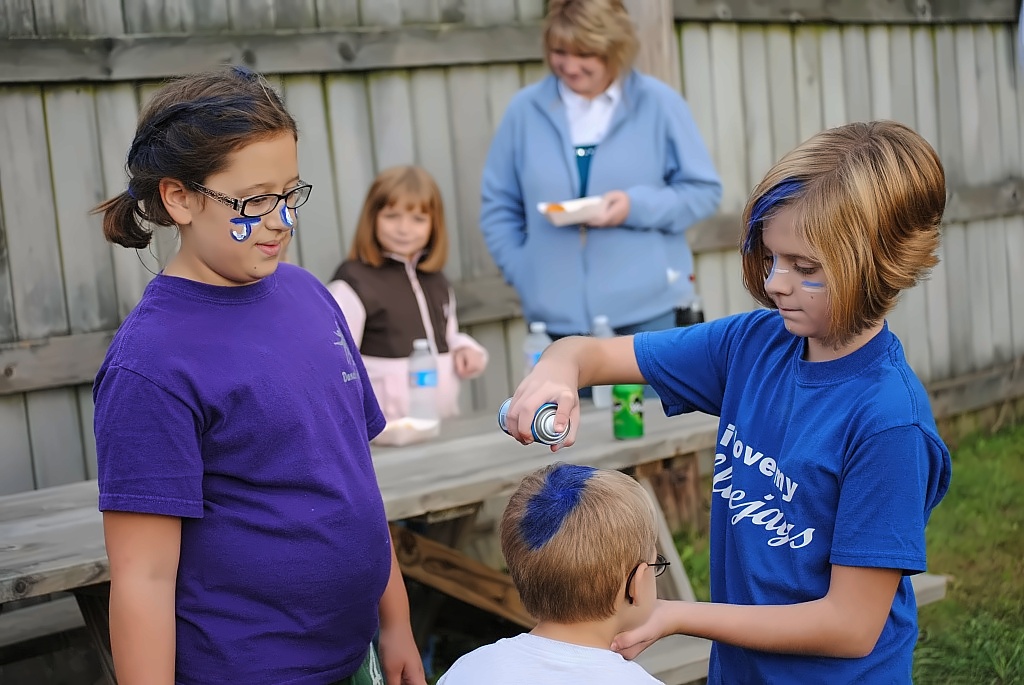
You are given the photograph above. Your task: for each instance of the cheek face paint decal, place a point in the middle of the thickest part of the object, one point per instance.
(245, 223)
(812, 287)
(288, 218)
(775, 270)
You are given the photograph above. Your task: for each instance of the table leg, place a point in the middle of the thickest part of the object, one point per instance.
(94, 603)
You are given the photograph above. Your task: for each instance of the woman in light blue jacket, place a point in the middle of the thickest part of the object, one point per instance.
(596, 126)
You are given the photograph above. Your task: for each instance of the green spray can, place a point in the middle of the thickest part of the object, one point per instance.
(628, 411)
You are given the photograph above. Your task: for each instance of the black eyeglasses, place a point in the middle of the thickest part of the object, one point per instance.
(258, 205)
(659, 567)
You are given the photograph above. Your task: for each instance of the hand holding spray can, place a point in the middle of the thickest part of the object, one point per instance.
(543, 427)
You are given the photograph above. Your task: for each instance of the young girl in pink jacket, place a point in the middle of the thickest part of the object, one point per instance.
(392, 291)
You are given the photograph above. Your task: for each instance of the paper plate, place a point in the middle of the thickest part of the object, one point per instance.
(570, 212)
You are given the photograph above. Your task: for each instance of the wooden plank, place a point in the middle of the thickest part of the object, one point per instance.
(950, 147)
(251, 15)
(75, 164)
(880, 72)
(677, 584)
(958, 300)
(531, 10)
(757, 120)
(39, 620)
(727, 98)
(143, 57)
(86, 413)
(999, 288)
(697, 83)
(391, 118)
(489, 12)
(969, 104)
(15, 448)
(782, 94)
(489, 390)
(977, 390)
(856, 70)
(979, 295)
(116, 114)
(847, 11)
(337, 13)
(318, 236)
(833, 94)
(55, 431)
(420, 11)
(432, 136)
(17, 19)
(991, 142)
(533, 72)
(78, 17)
(928, 588)
(515, 336)
(1015, 272)
(677, 659)
(709, 269)
(1009, 115)
(458, 576)
(350, 148)
(659, 52)
(808, 81)
(380, 12)
(295, 14)
(51, 362)
(926, 116)
(34, 255)
(471, 138)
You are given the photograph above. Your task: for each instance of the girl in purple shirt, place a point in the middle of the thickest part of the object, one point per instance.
(244, 525)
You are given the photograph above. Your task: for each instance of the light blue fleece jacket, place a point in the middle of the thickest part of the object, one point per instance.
(565, 276)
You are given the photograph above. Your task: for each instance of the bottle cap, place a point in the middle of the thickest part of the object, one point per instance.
(421, 344)
(538, 327)
(600, 320)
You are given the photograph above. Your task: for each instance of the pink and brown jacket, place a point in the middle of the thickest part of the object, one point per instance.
(389, 306)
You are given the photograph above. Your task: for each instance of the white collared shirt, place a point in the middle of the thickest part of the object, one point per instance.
(589, 119)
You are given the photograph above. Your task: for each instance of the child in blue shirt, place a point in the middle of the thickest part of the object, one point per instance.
(828, 460)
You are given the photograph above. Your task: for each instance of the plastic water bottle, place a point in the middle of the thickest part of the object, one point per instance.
(535, 343)
(602, 394)
(422, 381)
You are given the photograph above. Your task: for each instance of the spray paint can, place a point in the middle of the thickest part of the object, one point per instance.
(627, 411)
(543, 427)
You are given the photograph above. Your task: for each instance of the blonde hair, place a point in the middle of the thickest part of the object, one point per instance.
(574, 570)
(414, 188)
(868, 199)
(592, 27)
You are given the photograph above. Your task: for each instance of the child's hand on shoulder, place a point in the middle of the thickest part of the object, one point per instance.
(469, 362)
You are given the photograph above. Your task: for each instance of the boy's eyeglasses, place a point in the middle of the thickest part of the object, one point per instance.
(258, 205)
(659, 567)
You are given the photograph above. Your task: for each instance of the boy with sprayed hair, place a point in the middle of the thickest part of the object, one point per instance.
(580, 547)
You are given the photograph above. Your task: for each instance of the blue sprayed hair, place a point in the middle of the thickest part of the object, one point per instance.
(547, 510)
(781, 193)
(186, 132)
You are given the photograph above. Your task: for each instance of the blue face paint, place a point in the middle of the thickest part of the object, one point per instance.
(812, 286)
(288, 218)
(246, 222)
(546, 511)
(774, 270)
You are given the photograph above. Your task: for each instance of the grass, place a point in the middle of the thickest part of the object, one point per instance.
(976, 536)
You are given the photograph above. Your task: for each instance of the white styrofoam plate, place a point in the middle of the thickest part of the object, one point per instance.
(570, 212)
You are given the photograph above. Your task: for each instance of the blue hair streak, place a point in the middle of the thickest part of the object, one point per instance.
(546, 511)
(779, 194)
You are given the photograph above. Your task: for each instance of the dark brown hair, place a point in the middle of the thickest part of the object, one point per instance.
(186, 132)
(868, 199)
(411, 187)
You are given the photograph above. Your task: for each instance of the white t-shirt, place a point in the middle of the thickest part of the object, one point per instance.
(589, 120)
(539, 661)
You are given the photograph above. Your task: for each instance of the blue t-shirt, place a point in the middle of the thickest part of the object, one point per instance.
(247, 412)
(817, 464)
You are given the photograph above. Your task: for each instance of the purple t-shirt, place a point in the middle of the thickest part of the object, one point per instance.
(247, 412)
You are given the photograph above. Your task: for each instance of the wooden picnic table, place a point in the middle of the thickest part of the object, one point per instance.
(51, 540)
